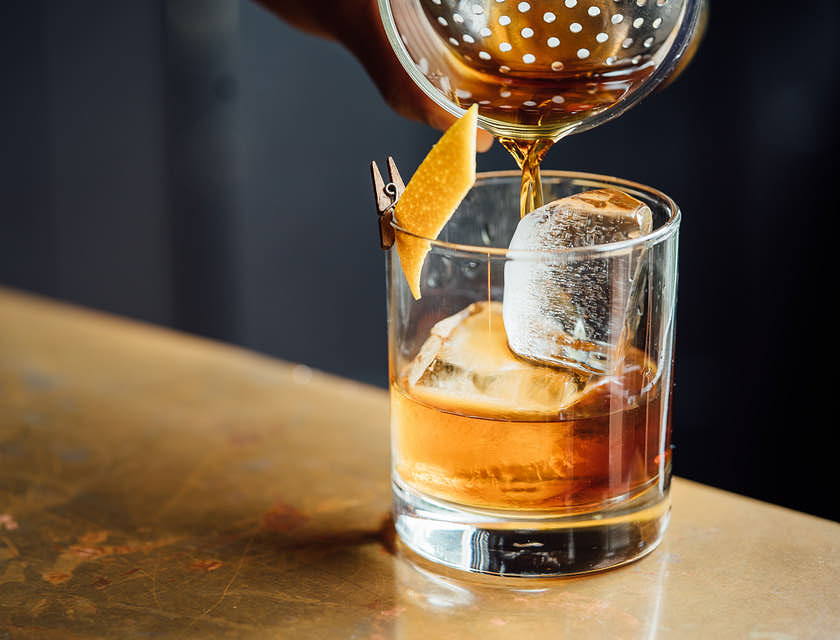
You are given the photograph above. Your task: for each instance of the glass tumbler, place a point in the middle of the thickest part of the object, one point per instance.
(506, 465)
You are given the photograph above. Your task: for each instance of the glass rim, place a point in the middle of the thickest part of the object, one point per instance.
(662, 232)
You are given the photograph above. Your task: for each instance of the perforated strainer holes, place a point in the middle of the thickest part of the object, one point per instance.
(514, 34)
(562, 37)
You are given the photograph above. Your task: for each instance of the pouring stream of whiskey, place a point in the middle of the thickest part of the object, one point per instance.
(528, 154)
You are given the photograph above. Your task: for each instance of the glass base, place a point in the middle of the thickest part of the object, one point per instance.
(531, 545)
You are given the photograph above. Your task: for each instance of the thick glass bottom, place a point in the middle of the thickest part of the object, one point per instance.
(532, 544)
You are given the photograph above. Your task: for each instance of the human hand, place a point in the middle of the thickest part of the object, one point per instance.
(358, 27)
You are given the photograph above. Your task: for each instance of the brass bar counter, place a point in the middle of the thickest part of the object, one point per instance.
(154, 484)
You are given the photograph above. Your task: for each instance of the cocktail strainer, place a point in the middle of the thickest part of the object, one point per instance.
(540, 68)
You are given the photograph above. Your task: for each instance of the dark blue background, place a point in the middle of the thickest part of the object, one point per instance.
(201, 165)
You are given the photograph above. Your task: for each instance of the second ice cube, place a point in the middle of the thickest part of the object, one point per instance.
(571, 307)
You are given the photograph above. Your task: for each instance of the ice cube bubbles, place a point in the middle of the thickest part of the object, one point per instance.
(574, 308)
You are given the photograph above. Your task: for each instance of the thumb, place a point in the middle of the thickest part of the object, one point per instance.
(442, 120)
(483, 140)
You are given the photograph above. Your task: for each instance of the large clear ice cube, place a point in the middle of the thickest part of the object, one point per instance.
(465, 365)
(575, 308)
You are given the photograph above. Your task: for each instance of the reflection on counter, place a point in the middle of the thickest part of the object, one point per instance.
(436, 602)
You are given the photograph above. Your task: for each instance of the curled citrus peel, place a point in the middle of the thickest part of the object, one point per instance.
(435, 190)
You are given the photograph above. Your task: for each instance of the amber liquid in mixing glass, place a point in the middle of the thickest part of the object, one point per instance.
(531, 106)
(536, 70)
(537, 109)
(463, 444)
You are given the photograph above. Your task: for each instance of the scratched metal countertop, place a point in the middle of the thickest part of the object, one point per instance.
(156, 484)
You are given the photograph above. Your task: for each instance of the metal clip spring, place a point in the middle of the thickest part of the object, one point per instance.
(386, 197)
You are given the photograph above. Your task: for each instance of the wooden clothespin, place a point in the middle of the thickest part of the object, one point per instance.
(386, 196)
